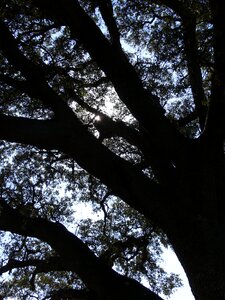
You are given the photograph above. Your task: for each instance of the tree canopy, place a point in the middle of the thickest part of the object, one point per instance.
(116, 107)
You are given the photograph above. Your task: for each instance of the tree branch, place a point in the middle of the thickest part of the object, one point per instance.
(191, 50)
(106, 10)
(215, 129)
(95, 274)
(39, 133)
(73, 139)
(53, 263)
(194, 69)
(14, 264)
(142, 104)
(187, 119)
(162, 168)
(108, 128)
(34, 74)
(71, 294)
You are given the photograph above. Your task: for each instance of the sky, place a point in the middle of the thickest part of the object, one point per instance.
(171, 264)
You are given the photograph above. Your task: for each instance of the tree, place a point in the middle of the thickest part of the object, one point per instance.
(154, 165)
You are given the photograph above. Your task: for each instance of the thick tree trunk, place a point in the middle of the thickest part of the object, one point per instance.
(196, 227)
(199, 247)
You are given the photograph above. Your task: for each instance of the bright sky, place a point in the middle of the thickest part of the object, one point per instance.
(171, 264)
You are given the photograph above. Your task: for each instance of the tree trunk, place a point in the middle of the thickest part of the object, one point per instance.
(196, 226)
(198, 245)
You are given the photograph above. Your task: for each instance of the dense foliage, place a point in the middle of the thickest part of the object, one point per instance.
(112, 129)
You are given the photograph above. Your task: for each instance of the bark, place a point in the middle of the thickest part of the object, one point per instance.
(215, 129)
(197, 225)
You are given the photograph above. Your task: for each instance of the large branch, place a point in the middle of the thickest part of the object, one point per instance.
(35, 86)
(54, 263)
(65, 294)
(108, 128)
(68, 135)
(39, 133)
(73, 138)
(142, 104)
(215, 129)
(161, 167)
(194, 69)
(106, 9)
(95, 274)
(191, 51)
(42, 265)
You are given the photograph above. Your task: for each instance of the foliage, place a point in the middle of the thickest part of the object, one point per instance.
(124, 93)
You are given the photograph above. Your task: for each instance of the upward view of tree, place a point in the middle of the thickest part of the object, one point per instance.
(118, 106)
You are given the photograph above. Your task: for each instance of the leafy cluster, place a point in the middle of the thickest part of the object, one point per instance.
(52, 63)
